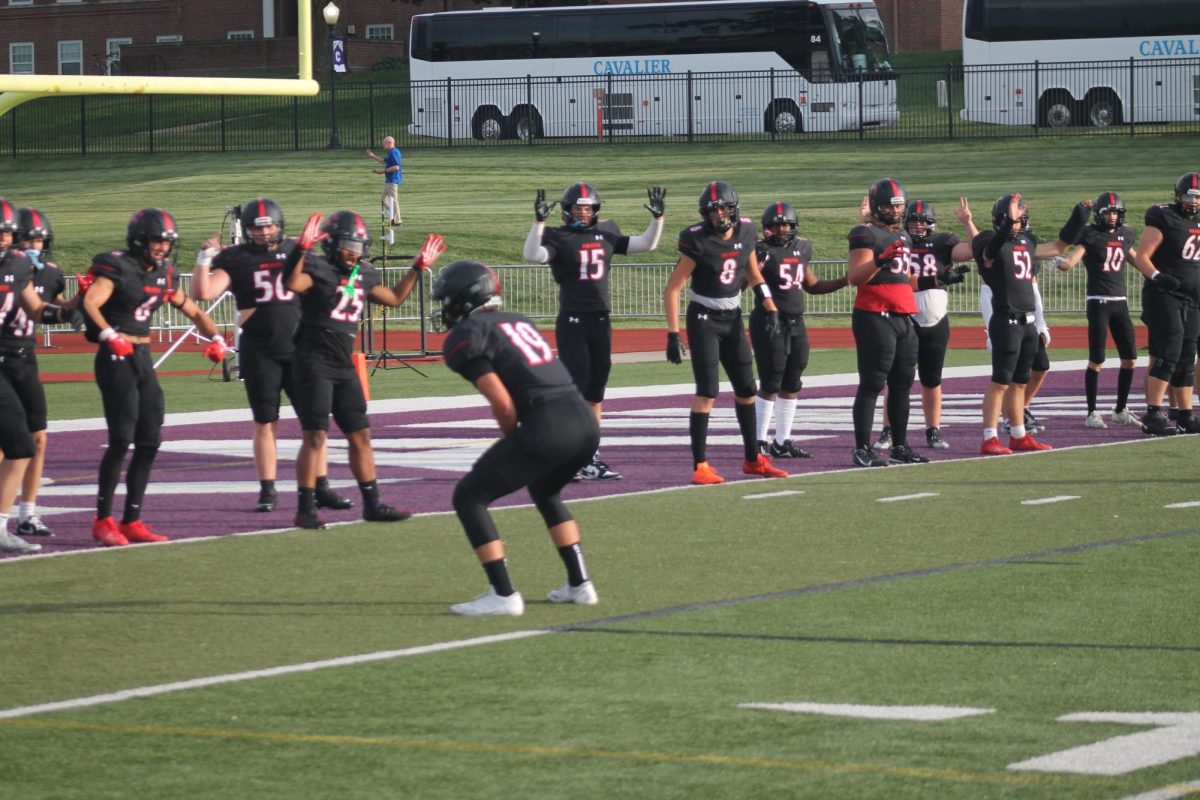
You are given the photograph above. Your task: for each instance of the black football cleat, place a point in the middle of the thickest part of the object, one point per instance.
(266, 500)
(385, 513)
(903, 454)
(309, 521)
(326, 497)
(1188, 423)
(786, 450)
(1155, 423)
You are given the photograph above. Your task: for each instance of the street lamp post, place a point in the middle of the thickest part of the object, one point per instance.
(331, 13)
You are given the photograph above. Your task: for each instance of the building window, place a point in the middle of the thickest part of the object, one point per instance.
(240, 35)
(70, 57)
(20, 58)
(170, 38)
(20, 2)
(381, 32)
(64, 2)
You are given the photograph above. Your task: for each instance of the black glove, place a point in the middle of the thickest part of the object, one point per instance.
(658, 201)
(773, 327)
(1167, 283)
(542, 209)
(74, 318)
(675, 349)
(954, 275)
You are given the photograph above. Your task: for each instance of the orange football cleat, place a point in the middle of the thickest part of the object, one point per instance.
(706, 475)
(762, 466)
(993, 447)
(106, 533)
(1027, 444)
(137, 531)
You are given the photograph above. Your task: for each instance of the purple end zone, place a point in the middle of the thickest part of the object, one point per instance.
(645, 439)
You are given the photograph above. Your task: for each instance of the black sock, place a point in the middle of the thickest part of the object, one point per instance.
(322, 481)
(370, 493)
(307, 500)
(1124, 382)
(899, 407)
(572, 558)
(1091, 380)
(266, 486)
(864, 418)
(698, 431)
(497, 575)
(748, 424)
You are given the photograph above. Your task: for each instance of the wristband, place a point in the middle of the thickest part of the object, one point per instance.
(205, 256)
(108, 333)
(762, 291)
(216, 337)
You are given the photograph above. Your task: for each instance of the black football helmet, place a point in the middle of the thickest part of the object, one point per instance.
(150, 225)
(580, 194)
(886, 199)
(463, 288)
(920, 211)
(1187, 195)
(345, 230)
(1105, 203)
(8, 221)
(260, 213)
(33, 224)
(774, 218)
(718, 195)
(1000, 220)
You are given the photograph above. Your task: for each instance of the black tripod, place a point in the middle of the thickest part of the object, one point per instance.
(383, 357)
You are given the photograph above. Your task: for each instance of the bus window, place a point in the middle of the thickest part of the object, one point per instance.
(630, 33)
(862, 40)
(420, 39)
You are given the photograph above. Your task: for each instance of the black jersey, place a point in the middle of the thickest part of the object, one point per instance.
(49, 283)
(16, 270)
(580, 260)
(329, 314)
(256, 280)
(783, 268)
(137, 292)
(1011, 275)
(1105, 254)
(512, 347)
(933, 255)
(721, 264)
(1179, 253)
(890, 288)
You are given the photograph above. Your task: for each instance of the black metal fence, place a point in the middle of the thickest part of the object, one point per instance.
(1125, 98)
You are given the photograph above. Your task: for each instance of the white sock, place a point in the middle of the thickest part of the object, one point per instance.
(26, 510)
(3, 523)
(763, 411)
(990, 433)
(785, 416)
(1016, 431)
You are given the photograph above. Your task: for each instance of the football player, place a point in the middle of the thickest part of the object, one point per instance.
(785, 260)
(718, 256)
(1105, 247)
(334, 290)
(579, 253)
(548, 432)
(126, 288)
(20, 412)
(1007, 257)
(1169, 259)
(934, 256)
(267, 317)
(880, 265)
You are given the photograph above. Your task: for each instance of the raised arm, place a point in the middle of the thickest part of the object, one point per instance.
(657, 206)
(206, 283)
(434, 246)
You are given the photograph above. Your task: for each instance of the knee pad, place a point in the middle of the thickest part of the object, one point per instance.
(1184, 376)
(119, 445)
(771, 386)
(792, 387)
(932, 381)
(474, 517)
(553, 511)
(1162, 369)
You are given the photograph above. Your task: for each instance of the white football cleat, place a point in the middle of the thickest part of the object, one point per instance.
(490, 604)
(1094, 420)
(11, 543)
(1126, 417)
(584, 594)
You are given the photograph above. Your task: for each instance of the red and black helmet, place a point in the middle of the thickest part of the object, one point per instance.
(262, 212)
(774, 218)
(1000, 218)
(886, 199)
(463, 288)
(345, 230)
(920, 211)
(580, 194)
(33, 224)
(1106, 203)
(151, 225)
(718, 195)
(1187, 194)
(8, 217)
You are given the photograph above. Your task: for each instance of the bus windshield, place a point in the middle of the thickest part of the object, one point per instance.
(861, 39)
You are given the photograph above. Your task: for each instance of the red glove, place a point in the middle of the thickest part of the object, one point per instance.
(312, 232)
(85, 280)
(215, 350)
(118, 344)
(892, 250)
(434, 246)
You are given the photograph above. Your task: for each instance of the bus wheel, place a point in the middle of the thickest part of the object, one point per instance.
(1056, 110)
(783, 117)
(1103, 108)
(525, 124)
(488, 124)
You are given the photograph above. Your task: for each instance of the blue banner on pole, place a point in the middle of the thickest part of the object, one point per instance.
(338, 43)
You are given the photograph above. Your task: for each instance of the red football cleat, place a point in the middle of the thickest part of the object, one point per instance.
(762, 466)
(137, 531)
(705, 475)
(106, 533)
(992, 447)
(1027, 444)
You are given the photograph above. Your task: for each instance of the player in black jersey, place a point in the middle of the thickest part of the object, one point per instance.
(267, 318)
(786, 263)
(579, 253)
(127, 287)
(35, 238)
(548, 432)
(718, 256)
(334, 290)
(1007, 258)
(18, 369)
(933, 258)
(1168, 256)
(1105, 247)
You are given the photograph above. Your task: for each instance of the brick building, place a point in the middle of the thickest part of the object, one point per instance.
(218, 37)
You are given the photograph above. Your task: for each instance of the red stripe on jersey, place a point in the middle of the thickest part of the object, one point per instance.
(897, 298)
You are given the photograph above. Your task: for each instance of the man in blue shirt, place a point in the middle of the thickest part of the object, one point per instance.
(393, 176)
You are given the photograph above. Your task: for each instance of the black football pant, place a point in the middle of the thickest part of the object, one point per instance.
(887, 356)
